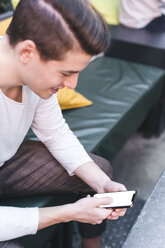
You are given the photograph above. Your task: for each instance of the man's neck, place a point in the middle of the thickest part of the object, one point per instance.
(14, 93)
(8, 74)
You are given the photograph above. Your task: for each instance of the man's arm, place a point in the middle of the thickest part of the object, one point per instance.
(51, 128)
(101, 183)
(85, 210)
(93, 176)
(49, 125)
(16, 222)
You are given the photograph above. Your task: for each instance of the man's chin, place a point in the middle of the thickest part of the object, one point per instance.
(44, 96)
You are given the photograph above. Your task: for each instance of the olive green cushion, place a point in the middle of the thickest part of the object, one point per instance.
(122, 94)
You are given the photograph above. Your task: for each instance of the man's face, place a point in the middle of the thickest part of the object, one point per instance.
(45, 78)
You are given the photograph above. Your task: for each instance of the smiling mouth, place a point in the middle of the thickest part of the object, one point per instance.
(54, 90)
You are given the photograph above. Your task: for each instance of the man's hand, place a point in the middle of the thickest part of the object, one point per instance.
(101, 183)
(87, 210)
(112, 186)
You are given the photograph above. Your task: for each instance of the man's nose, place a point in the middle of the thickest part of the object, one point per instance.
(71, 82)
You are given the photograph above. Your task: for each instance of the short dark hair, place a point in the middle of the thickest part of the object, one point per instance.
(54, 25)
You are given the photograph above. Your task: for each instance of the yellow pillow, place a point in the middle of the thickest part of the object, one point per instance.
(14, 3)
(4, 25)
(69, 99)
(109, 9)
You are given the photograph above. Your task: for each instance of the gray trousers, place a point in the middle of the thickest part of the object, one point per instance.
(34, 171)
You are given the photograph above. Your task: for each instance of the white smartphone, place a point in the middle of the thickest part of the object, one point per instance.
(124, 199)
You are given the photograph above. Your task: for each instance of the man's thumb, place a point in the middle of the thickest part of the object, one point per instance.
(105, 201)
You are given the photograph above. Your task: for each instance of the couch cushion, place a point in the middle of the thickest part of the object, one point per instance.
(122, 94)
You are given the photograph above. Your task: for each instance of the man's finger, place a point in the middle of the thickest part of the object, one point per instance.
(121, 212)
(104, 201)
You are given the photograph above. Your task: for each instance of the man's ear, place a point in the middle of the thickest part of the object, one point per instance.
(26, 50)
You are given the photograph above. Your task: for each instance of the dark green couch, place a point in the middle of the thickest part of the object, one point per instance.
(123, 93)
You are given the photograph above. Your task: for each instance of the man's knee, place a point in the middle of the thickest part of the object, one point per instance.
(102, 163)
(11, 244)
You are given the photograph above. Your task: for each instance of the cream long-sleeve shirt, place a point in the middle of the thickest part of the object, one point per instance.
(46, 120)
(138, 13)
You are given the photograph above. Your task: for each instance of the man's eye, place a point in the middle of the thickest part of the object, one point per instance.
(65, 74)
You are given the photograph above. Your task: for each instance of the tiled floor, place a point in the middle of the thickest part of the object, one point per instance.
(116, 231)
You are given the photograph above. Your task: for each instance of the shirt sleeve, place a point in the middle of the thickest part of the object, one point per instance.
(137, 14)
(51, 128)
(17, 222)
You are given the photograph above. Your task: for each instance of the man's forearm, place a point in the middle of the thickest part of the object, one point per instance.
(52, 215)
(85, 210)
(93, 176)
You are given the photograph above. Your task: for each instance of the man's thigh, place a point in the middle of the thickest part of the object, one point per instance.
(34, 171)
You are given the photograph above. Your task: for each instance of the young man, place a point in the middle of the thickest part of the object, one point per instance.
(46, 46)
